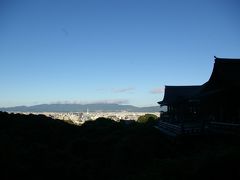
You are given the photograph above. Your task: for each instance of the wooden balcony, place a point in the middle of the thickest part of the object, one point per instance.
(179, 129)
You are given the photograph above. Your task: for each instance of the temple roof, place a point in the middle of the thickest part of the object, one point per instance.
(225, 74)
(225, 77)
(175, 94)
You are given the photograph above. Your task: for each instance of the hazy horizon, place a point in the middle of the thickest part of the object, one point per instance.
(77, 103)
(110, 51)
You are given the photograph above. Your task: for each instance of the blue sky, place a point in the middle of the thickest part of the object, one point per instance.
(86, 51)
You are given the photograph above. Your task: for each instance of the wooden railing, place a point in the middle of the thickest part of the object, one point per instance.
(171, 128)
(180, 129)
(192, 130)
(224, 124)
(223, 127)
(197, 128)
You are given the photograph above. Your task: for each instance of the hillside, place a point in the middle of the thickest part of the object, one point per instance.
(80, 108)
(38, 147)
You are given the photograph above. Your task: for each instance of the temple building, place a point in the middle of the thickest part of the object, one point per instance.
(215, 105)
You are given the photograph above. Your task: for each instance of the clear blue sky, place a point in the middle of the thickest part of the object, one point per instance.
(124, 51)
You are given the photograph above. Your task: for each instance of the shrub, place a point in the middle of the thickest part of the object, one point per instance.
(148, 118)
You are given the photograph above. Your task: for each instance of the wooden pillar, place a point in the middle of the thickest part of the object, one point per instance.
(221, 118)
(238, 115)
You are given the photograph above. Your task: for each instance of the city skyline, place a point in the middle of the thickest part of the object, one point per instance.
(121, 52)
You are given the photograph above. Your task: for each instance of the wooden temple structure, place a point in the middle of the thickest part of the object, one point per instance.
(213, 106)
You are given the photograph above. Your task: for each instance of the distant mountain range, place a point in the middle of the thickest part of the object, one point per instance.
(81, 108)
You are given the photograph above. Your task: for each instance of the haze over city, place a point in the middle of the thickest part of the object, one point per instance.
(122, 52)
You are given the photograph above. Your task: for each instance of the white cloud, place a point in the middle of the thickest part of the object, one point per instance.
(158, 90)
(103, 101)
(112, 101)
(123, 90)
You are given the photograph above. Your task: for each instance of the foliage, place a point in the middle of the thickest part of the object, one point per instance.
(147, 118)
(38, 147)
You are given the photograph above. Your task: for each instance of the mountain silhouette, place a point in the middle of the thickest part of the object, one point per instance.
(103, 107)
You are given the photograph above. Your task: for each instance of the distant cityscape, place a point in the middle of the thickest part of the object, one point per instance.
(78, 118)
(79, 113)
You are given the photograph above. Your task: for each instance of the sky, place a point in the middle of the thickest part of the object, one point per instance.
(126, 51)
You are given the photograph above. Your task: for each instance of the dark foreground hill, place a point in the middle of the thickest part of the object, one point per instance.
(104, 107)
(38, 147)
